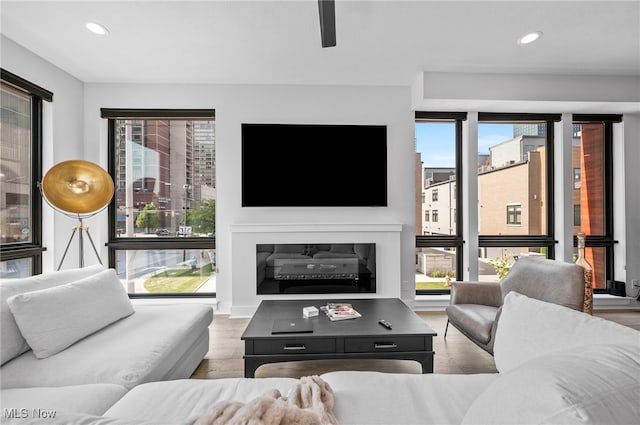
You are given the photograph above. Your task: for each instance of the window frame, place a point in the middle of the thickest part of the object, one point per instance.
(116, 243)
(533, 241)
(447, 241)
(606, 240)
(30, 250)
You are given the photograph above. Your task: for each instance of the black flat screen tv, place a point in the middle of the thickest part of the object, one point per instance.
(303, 165)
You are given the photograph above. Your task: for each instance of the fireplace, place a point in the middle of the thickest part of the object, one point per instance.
(322, 268)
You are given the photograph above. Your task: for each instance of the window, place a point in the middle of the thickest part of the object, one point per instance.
(514, 214)
(20, 172)
(516, 170)
(162, 218)
(439, 240)
(577, 178)
(593, 197)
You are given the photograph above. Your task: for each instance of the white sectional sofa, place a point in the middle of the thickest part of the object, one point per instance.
(556, 366)
(73, 341)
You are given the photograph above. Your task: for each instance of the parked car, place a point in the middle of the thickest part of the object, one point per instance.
(162, 232)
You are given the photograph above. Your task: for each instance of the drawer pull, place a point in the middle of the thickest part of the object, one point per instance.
(295, 347)
(382, 346)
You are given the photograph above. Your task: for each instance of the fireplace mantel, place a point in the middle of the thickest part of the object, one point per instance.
(315, 227)
(245, 237)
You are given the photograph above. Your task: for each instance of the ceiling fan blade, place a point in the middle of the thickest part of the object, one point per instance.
(327, 9)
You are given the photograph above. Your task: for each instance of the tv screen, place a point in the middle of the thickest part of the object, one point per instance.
(299, 165)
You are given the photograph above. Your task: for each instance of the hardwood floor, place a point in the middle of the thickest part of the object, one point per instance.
(453, 355)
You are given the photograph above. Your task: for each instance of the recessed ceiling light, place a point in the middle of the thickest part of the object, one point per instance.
(97, 28)
(530, 38)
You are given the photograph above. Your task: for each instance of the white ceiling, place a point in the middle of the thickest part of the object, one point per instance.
(378, 42)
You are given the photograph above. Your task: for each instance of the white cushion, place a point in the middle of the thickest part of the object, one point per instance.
(52, 319)
(13, 343)
(528, 328)
(92, 399)
(597, 384)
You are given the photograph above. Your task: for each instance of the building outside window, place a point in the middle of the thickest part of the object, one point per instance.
(20, 172)
(162, 218)
(515, 153)
(438, 238)
(515, 171)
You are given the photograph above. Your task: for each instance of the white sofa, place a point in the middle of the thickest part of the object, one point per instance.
(73, 340)
(556, 366)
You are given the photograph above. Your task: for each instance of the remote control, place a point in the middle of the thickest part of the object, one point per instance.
(385, 323)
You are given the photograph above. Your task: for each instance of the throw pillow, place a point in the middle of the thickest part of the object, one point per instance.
(13, 343)
(55, 318)
(529, 328)
(596, 384)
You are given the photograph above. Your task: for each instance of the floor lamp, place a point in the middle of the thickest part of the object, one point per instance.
(78, 189)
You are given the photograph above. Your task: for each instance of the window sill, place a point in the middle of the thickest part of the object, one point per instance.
(600, 302)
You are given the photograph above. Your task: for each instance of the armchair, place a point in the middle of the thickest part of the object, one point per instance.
(475, 306)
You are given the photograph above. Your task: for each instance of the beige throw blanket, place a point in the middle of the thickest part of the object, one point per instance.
(310, 403)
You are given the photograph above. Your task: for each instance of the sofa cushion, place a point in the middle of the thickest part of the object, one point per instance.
(529, 328)
(595, 384)
(93, 399)
(375, 398)
(143, 347)
(13, 343)
(87, 305)
(183, 401)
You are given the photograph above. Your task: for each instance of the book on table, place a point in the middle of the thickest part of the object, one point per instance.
(340, 311)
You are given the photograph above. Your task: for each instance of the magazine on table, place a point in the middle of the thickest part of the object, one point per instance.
(340, 311)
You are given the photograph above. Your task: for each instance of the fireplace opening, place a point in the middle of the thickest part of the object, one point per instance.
(334, 268)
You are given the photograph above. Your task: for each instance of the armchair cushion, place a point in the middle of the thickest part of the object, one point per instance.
(477, 320)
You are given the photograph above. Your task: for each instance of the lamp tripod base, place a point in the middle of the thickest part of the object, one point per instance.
(80, 229)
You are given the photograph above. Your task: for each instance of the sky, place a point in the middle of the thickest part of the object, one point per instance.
(436, 141)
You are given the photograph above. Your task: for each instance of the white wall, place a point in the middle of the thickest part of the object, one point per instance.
(236, 104)
(76, 131)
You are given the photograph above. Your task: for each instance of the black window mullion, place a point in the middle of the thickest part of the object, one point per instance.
(605, 240)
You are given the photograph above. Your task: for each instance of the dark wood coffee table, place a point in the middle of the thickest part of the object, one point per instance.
(409, 339)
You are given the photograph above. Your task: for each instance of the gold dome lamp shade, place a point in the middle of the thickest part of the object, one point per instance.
(80, 189)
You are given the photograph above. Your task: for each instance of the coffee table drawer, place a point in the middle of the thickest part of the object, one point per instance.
(382, 344)
(294, 346)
